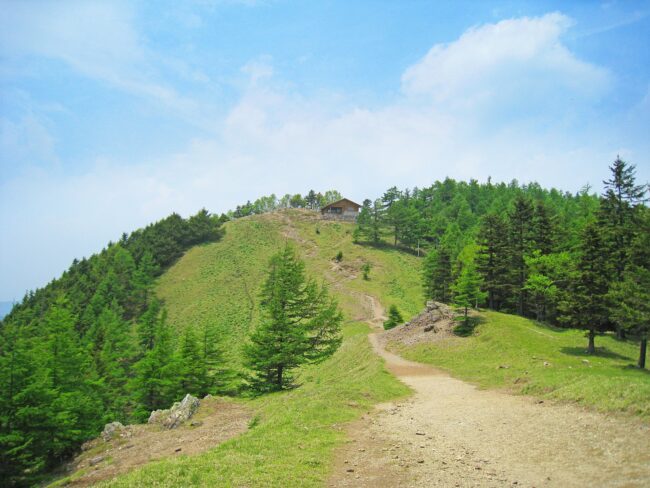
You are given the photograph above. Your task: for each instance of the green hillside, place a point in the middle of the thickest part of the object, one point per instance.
(219, 282)
(524, 356)
(294, 434)
(298, 429)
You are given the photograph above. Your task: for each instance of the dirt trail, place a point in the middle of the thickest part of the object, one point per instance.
(451, 434)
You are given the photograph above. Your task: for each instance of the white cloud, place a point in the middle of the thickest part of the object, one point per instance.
(516, 58)
(97, 40)
(274, 140)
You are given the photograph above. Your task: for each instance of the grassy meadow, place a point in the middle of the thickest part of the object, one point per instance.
(507, 351)
(220, 282)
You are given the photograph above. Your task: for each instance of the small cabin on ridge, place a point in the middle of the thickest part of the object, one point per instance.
(343, 209)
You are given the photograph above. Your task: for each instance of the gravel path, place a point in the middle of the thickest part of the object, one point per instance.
(451, 434)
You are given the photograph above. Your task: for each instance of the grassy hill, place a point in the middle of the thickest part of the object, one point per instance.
(219, 283)
(293, 435)
(523, 356)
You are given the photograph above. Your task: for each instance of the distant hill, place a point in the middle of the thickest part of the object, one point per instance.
(5, 308)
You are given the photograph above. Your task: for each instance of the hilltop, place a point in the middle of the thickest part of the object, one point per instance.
(169, 310)
(299, 437)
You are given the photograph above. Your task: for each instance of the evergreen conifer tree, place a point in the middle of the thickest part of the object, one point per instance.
(436, 275)
(585, 305)
(300, 324)
(493, 259)
(521, 238)
(467, 290)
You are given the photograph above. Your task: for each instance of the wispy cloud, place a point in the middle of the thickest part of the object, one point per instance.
(446, 121)
(98, 40)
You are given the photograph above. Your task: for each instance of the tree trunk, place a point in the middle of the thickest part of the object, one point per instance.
(491, 299)
(642, 351)
(591, 349)
(620, 332)
(466, 318)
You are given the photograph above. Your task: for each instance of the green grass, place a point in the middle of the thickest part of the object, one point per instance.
(219, 283)
(508, 351)
(293, 438)
(293, 434)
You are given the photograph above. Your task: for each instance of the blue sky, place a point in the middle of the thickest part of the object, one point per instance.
(113, 115)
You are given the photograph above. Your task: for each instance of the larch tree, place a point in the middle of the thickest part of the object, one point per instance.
(437, 275)
(493, 259)
(300, 324)
(467, 290)
(585, 305)
(618, 217)
(630, 297)
(521, 238)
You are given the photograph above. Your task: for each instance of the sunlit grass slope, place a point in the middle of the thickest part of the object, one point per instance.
(511, 352)
(292, 439)
(219, 283)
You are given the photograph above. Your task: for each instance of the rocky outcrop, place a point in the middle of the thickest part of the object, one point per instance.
(434, 313)
(434, 323)
(177, 414)
(115, 429)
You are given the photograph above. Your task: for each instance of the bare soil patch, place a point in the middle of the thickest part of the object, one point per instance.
(216, 421)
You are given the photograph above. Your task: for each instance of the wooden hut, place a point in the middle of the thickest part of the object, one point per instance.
(343, 209)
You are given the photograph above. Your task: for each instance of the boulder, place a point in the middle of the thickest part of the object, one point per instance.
(177, 414)
(112, 430)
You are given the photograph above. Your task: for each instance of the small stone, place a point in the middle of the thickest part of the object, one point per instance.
(350, 470)
(546, 363)
(420, 461)
(96, 460)
(420, 433)
(178, 449)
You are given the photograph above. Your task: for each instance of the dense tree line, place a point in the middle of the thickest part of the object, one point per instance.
(573, 260)
(93, 346)
(311, 200)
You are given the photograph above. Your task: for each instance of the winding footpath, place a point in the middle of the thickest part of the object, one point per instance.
(450, 434)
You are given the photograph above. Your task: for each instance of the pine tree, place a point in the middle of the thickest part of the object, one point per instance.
(300, 324)
(543, 228)
(436, 275)
(618, 211)
(115, 359)
(190, 367)
(214, 376)
(363, 229)
(493, 259)
(521, 238)
(155, 384)
(585, 305)
(630, 298)
(467, 290)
